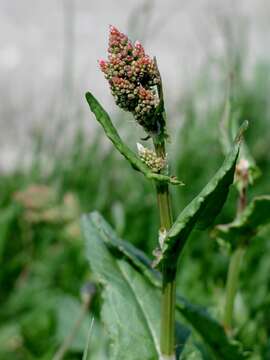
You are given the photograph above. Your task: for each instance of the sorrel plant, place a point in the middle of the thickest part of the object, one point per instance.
(139, 295)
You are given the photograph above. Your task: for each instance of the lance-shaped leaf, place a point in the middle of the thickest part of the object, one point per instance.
(202, 211)
(209, 329)
(248, 223)
(131, 303)
(105, 121)
(130, 309)
(130, 252)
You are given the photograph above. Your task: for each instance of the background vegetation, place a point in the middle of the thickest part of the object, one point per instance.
(43, 264)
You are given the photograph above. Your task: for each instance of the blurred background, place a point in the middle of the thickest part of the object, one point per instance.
(55, 162)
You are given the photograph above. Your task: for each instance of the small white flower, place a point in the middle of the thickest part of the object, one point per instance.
(150, 158)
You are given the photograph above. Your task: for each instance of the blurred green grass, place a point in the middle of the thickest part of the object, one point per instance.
(43, 265)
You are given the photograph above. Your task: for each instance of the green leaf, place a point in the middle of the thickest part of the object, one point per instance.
(10, 338)
(105, 121)
(248, 223)
(37, 337)
(209, 329)
(226, 124)
(7, 215)
(131, 304)
(191, 351)
(201, 212)
(124, 248)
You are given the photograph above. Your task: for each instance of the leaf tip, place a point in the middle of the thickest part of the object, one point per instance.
(175, 181)
(241, 132)
(88, 97)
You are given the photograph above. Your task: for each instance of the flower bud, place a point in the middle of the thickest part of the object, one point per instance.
(150, 158)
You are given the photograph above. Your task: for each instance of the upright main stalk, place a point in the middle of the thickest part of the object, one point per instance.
(167, 334)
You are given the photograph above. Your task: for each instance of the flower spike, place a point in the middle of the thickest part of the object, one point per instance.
(133, 77)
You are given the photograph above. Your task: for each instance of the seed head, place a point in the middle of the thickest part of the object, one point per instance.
(132, 76)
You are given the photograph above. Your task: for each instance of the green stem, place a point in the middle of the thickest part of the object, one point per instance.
(167, 335)
(232, 285)
(234, 269)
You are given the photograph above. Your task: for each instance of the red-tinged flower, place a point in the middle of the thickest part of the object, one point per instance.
(132, 76)
(103, 65)
(138, 49)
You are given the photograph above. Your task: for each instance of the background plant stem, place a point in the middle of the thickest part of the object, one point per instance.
(234, 269)
(167, 336)
(61, 352)
(232, 285)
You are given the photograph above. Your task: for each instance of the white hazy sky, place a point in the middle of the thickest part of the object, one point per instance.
(48, 46)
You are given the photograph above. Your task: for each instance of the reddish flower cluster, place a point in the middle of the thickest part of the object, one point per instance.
(132, 76)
